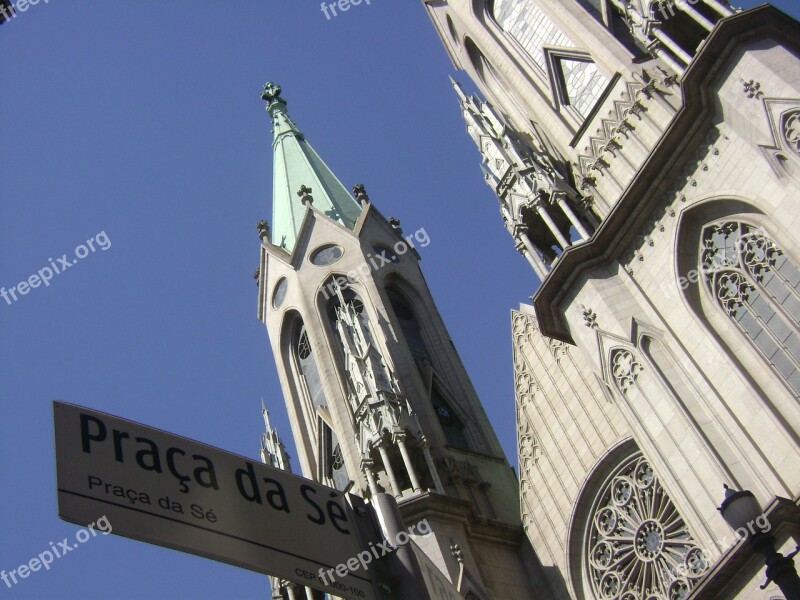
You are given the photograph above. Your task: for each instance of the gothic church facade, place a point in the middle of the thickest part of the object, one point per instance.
(646, 160)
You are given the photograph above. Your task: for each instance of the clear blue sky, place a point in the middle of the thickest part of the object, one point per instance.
(142, 120)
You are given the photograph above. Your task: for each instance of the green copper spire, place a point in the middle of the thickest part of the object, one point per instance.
(299, 172)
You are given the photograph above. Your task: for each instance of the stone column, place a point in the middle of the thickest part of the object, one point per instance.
(426, 452)
(551, 225)
(412, 474)
(373, 485)
(719, 7)
(529, 252)
(573, 218)
(657, 52)
(684, 6)
(672, 45)
(389, 471)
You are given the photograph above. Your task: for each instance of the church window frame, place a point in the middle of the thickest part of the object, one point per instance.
(332, 465)
(613, 531)
(538, 33)
(305, 367)
(753, 282)
(545, 45)
(636, 540)
(790, 130)
(326, 255)
(451, 28)
(458, 428)
(279, 293)
(579, 111)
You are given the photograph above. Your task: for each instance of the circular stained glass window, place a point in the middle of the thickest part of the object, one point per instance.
(280, 292)
(326, 255)
(639, 546)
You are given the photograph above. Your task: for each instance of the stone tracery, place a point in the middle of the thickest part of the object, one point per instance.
(637, 544)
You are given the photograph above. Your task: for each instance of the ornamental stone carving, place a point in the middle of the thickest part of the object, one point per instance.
(624, 369)
(458, 471)
(557, 348)
(638, 545)
(791, 130)
(529, 451)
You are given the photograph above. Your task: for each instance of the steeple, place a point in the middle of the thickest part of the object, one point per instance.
(540, 210)
(377, 397)
(299, 172)
(272, 450)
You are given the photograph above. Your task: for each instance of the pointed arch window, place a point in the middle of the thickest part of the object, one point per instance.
(307, 367)
(352, 302)
(333, 467)
(577, 80)
(757, 286)
(452, 425)
(408, 324)
(530, 27)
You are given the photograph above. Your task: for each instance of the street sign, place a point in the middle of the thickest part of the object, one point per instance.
(168, 490)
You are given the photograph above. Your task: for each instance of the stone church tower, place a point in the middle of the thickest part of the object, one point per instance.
(377, 396)
(646, 159)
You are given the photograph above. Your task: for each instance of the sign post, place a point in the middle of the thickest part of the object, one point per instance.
(168, 490)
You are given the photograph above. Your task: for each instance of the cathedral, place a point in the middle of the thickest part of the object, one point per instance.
(378, 399)
(645, 156)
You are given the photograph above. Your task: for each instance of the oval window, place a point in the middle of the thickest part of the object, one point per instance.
(280, 292)
(326, 255)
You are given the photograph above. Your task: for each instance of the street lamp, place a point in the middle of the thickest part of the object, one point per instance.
(741, 511)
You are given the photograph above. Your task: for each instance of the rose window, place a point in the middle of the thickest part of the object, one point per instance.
(637, 546)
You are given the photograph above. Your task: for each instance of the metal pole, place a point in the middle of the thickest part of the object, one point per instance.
(404, 576)
(780, 568)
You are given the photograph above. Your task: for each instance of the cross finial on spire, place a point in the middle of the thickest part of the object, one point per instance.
(360, 192)
(305, 195)
(272, 94)
(271, 90)
(297, 163)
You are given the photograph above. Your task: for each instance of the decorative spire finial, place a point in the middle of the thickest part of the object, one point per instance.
(395, 223)
(263, 229)
(361, 193)
(305, 195)
(752, 88)
(272, 94)
(459, 90)
(589, 317)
